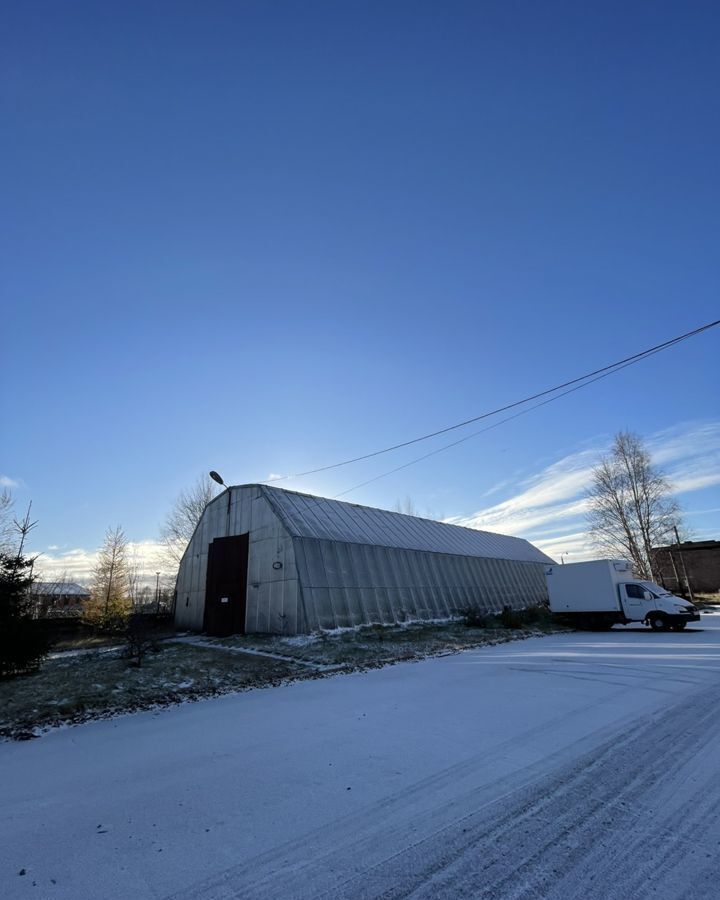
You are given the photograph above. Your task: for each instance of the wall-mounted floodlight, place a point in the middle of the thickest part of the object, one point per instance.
(216, 477)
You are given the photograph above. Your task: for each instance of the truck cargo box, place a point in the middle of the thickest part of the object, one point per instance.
(587, 586)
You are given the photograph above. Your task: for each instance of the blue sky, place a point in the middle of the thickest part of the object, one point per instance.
(263, 237)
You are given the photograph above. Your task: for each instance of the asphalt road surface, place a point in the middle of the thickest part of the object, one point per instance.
(572, 766)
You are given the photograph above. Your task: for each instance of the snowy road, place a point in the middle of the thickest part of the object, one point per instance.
(573, 766)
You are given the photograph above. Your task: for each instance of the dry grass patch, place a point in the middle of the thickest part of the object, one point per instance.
(75, 688)
(374, 645)
(89, 686)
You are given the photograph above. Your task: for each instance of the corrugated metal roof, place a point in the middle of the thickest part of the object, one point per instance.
(318, 517)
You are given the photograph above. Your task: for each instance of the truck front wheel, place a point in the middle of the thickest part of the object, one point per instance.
(657, 622)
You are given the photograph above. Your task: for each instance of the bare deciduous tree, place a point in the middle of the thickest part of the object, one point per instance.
(134, 579)
(182, 519)
(631, 509)
(406, 507)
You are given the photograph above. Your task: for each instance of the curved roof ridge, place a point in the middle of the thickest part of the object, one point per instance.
(320, 518)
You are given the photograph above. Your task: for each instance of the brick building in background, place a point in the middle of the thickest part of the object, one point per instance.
(58, 598)
(701, 561)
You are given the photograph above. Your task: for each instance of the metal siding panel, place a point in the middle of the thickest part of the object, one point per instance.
(252, 611)
(330, 563)
(290, 605)
(275, 609)
(407, 576)
(316, 566)
(369, 594)
(346, 569)
(361, 565)
(323, 608)
(374, 565)
(310, 609)
(357, 563)
(338, 598)
(356, 612)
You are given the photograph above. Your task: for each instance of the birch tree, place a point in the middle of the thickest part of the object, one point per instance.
(6, 521)
(631, 508)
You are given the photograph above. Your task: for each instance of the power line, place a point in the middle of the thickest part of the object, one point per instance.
(489, 428)
(581, 380)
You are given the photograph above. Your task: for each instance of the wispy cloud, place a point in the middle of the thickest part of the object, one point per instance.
(549, 507)
(7, 482)
(691, 456)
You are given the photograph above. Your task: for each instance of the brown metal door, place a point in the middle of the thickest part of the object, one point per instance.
(225, 586)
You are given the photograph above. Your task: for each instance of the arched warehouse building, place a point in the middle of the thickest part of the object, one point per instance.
(263, 559)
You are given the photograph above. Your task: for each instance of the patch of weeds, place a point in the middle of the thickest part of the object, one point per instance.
(706, 601)
(511, 618)
(473, 618)
(537, 616)
(100, 685)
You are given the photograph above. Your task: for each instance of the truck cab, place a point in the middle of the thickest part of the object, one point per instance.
(645, 601)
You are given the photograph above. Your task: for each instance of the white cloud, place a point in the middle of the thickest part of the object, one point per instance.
(554, 494)
(695, 482)
(687, 439)
(691, 457)
(7, 482)
(574, 547)
(549, 509)
(78, 564)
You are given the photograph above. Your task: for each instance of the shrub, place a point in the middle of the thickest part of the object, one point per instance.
(140, 637)
(511, 618)
(538, 614)
(109, 616)
(473, 618)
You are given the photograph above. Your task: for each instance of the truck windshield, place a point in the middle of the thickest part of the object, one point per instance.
(655, 589)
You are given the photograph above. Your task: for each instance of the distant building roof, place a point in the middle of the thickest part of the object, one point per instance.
(60, 588)
(691, 545)
(334, 520)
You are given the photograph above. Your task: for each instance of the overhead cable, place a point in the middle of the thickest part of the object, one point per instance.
(580, 381)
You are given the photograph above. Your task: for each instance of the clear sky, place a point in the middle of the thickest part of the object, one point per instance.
(260, 237)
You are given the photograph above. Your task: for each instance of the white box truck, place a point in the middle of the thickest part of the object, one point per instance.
(603, 592)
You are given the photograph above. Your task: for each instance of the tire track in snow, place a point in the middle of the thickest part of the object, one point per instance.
(602, 827)
(639, 817)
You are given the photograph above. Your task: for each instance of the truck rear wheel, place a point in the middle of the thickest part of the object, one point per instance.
(657, 622)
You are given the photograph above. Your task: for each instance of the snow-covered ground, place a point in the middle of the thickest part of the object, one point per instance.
(571, 766)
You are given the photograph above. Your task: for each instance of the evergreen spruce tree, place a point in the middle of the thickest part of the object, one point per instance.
(22, 645)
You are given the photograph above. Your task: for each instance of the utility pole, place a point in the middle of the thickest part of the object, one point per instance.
(674, 568)
(157, 593)
(682, 563)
